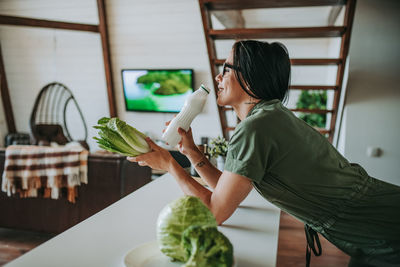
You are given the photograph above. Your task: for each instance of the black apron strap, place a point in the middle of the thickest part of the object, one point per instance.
(312, 239)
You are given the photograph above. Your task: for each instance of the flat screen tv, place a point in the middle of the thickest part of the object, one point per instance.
(163, 90)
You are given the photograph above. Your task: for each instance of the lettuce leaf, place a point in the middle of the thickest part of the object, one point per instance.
(173, 221)
(119, 137)
(131, 136)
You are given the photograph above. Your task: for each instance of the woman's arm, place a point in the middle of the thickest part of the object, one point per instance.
(207, 171)
(229, 192)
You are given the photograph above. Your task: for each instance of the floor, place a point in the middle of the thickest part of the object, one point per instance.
(14, 243)
(291, 245)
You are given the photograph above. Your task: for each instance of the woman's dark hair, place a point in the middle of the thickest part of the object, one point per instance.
(264, 69)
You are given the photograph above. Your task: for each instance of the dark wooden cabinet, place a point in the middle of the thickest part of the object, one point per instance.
(110, 177)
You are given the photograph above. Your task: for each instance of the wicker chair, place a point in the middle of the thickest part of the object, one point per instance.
(48, 118)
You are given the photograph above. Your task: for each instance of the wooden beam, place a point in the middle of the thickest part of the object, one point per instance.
(219, 62)
(309, 32)
(230, 128)
(226, 108)
(304, 110)
(318, 111)
(344, 50)
(19, 21)
(313, 87)
(106, 57)
(322, 131)
(5, 96)
(212, 54)
(315, 61)
(301, 61)
(250, 4)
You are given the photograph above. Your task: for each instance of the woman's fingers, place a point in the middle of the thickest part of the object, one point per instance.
(142, 163)
(168, 122)
(186, 143)
(133, 159)
(141, 159)
(184, 133)
(158, 158)
(152, 145)
(181, 148)
(181, 132)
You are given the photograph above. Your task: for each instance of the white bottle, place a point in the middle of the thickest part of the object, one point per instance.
(193, 106)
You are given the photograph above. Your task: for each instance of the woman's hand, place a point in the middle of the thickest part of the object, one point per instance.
(159, 158)
(186, 146)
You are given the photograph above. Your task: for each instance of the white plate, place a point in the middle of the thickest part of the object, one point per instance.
(149, 255)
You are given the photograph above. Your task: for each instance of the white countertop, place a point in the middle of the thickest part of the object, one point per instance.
(105, 238)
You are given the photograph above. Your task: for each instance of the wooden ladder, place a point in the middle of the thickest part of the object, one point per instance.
(211, 35)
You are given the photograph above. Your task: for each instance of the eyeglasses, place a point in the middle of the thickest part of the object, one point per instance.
(227, 65)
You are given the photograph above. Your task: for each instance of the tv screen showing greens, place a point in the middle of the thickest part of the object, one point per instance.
(156, 90)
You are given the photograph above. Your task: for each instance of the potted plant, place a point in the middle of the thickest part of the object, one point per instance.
(218, 149)
(313, 100)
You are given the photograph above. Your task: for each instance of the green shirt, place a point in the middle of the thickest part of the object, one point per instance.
(295, 167)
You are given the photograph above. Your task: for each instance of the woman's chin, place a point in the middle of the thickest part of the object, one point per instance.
(220, 101)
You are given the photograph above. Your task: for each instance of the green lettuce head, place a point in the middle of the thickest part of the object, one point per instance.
(173, 221)
(206, 247)
(119, 137)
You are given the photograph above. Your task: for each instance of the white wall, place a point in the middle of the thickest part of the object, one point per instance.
(373, 98)
(143, 34)
(34, 57)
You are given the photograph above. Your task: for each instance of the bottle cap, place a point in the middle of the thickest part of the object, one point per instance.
(204, 88)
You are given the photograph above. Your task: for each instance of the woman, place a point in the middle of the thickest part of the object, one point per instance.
(288, 163)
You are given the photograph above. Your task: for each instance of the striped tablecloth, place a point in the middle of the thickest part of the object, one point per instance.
(44, 171)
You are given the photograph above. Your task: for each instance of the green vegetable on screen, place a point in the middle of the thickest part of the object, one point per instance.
(119, 137)
(207, 247)
(169, 83)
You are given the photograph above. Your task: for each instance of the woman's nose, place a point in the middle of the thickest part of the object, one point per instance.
(218, 77)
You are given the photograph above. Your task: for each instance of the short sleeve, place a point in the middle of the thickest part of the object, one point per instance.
(248, 152)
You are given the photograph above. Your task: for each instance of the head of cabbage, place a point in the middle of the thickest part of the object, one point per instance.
(173, 221)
